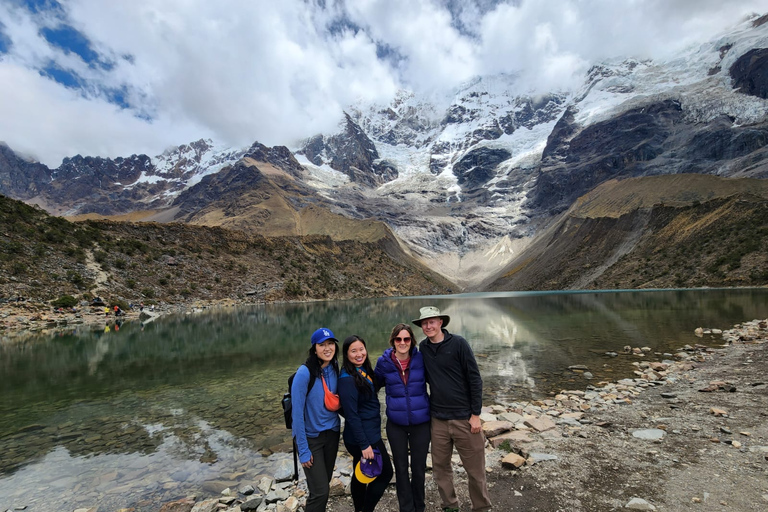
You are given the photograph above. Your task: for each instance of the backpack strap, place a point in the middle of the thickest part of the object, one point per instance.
(312, 379)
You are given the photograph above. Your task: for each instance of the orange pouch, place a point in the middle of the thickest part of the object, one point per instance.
(331, 400)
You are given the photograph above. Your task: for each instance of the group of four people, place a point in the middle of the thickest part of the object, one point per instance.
(447, 416)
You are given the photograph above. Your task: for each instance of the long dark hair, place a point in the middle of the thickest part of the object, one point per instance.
(396, 330)
(361, 383)
(315, 364)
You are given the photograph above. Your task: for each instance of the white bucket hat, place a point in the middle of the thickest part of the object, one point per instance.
(431, 312)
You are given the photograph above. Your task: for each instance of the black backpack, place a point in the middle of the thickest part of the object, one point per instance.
(287, 403)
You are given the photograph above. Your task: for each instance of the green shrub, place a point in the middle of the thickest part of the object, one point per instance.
(75, 278)
(65, 301)
(148, 293)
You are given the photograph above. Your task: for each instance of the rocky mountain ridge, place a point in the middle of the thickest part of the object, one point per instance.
(468, 179)
(46, 257)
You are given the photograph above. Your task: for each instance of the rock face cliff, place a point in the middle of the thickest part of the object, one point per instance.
(351, 152)
(20, 178)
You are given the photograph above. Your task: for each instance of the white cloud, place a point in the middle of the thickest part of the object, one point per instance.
(247, 70)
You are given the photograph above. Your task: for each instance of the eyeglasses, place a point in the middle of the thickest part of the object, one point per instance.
(407, 339)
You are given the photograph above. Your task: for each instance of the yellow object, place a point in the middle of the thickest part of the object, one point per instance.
(361, 477)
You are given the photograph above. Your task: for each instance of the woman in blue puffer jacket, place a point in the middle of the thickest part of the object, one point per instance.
(401, 371)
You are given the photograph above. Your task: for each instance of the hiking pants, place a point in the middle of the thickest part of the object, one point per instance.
(324, 448)
(471, 447)
(410, 491)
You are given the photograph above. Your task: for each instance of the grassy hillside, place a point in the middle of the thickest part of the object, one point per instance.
(47, 257)
(655, 232)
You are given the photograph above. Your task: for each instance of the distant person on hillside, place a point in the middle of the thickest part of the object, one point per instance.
(455, 399)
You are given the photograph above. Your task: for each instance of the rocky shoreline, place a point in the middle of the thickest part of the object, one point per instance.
(667, 439)
(22, 320)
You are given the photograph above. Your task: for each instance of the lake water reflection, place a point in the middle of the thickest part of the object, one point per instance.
(191, 403)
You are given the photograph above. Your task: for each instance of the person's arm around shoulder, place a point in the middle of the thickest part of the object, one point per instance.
(379, 378)
(299, 402)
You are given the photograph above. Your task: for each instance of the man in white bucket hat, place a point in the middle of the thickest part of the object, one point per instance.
(455, 400)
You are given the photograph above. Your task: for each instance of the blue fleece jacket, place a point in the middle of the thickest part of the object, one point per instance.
(362, 413)
(309, 415)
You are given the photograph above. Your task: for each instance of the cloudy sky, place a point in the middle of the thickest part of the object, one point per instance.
(117, 77)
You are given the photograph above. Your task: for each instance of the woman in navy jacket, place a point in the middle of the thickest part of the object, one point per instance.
(401, 371)
(362, 427)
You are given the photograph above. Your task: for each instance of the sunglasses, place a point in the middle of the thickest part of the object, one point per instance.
(407, 339)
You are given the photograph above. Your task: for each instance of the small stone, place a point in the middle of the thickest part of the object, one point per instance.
(514, 438)
(649, 434)
(265, 484)
(251, 504)
(535, 457)
(540, 424)
(639, 504)
(718, 412)
(337, 487)
(292, 504)
(494, 428)
(512, 461)
(247, 490)
(276, 495)
(206, 506)
(487, 416)
(511, 417)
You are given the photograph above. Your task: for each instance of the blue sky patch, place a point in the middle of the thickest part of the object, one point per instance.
(68, 78)
(71, 41)
(38, 6)
(5, 41)
(118, 97)
(65, 77)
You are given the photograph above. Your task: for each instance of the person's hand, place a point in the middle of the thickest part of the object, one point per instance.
(474, 424)
(368, 453)
(308, 464)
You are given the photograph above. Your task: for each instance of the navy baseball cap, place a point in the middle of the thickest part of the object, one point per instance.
(323, 334)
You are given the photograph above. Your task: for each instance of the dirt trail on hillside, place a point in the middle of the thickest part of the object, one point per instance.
(101, 276)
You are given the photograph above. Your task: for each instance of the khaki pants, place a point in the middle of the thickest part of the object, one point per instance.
(471, 447)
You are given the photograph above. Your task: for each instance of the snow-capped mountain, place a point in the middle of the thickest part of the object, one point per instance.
(489, 164)
(466, 178)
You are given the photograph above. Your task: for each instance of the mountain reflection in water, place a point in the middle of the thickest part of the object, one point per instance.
(190, 403)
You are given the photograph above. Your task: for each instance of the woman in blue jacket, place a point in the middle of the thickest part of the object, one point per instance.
(401, 371)
(315, 428)
(362, 428)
